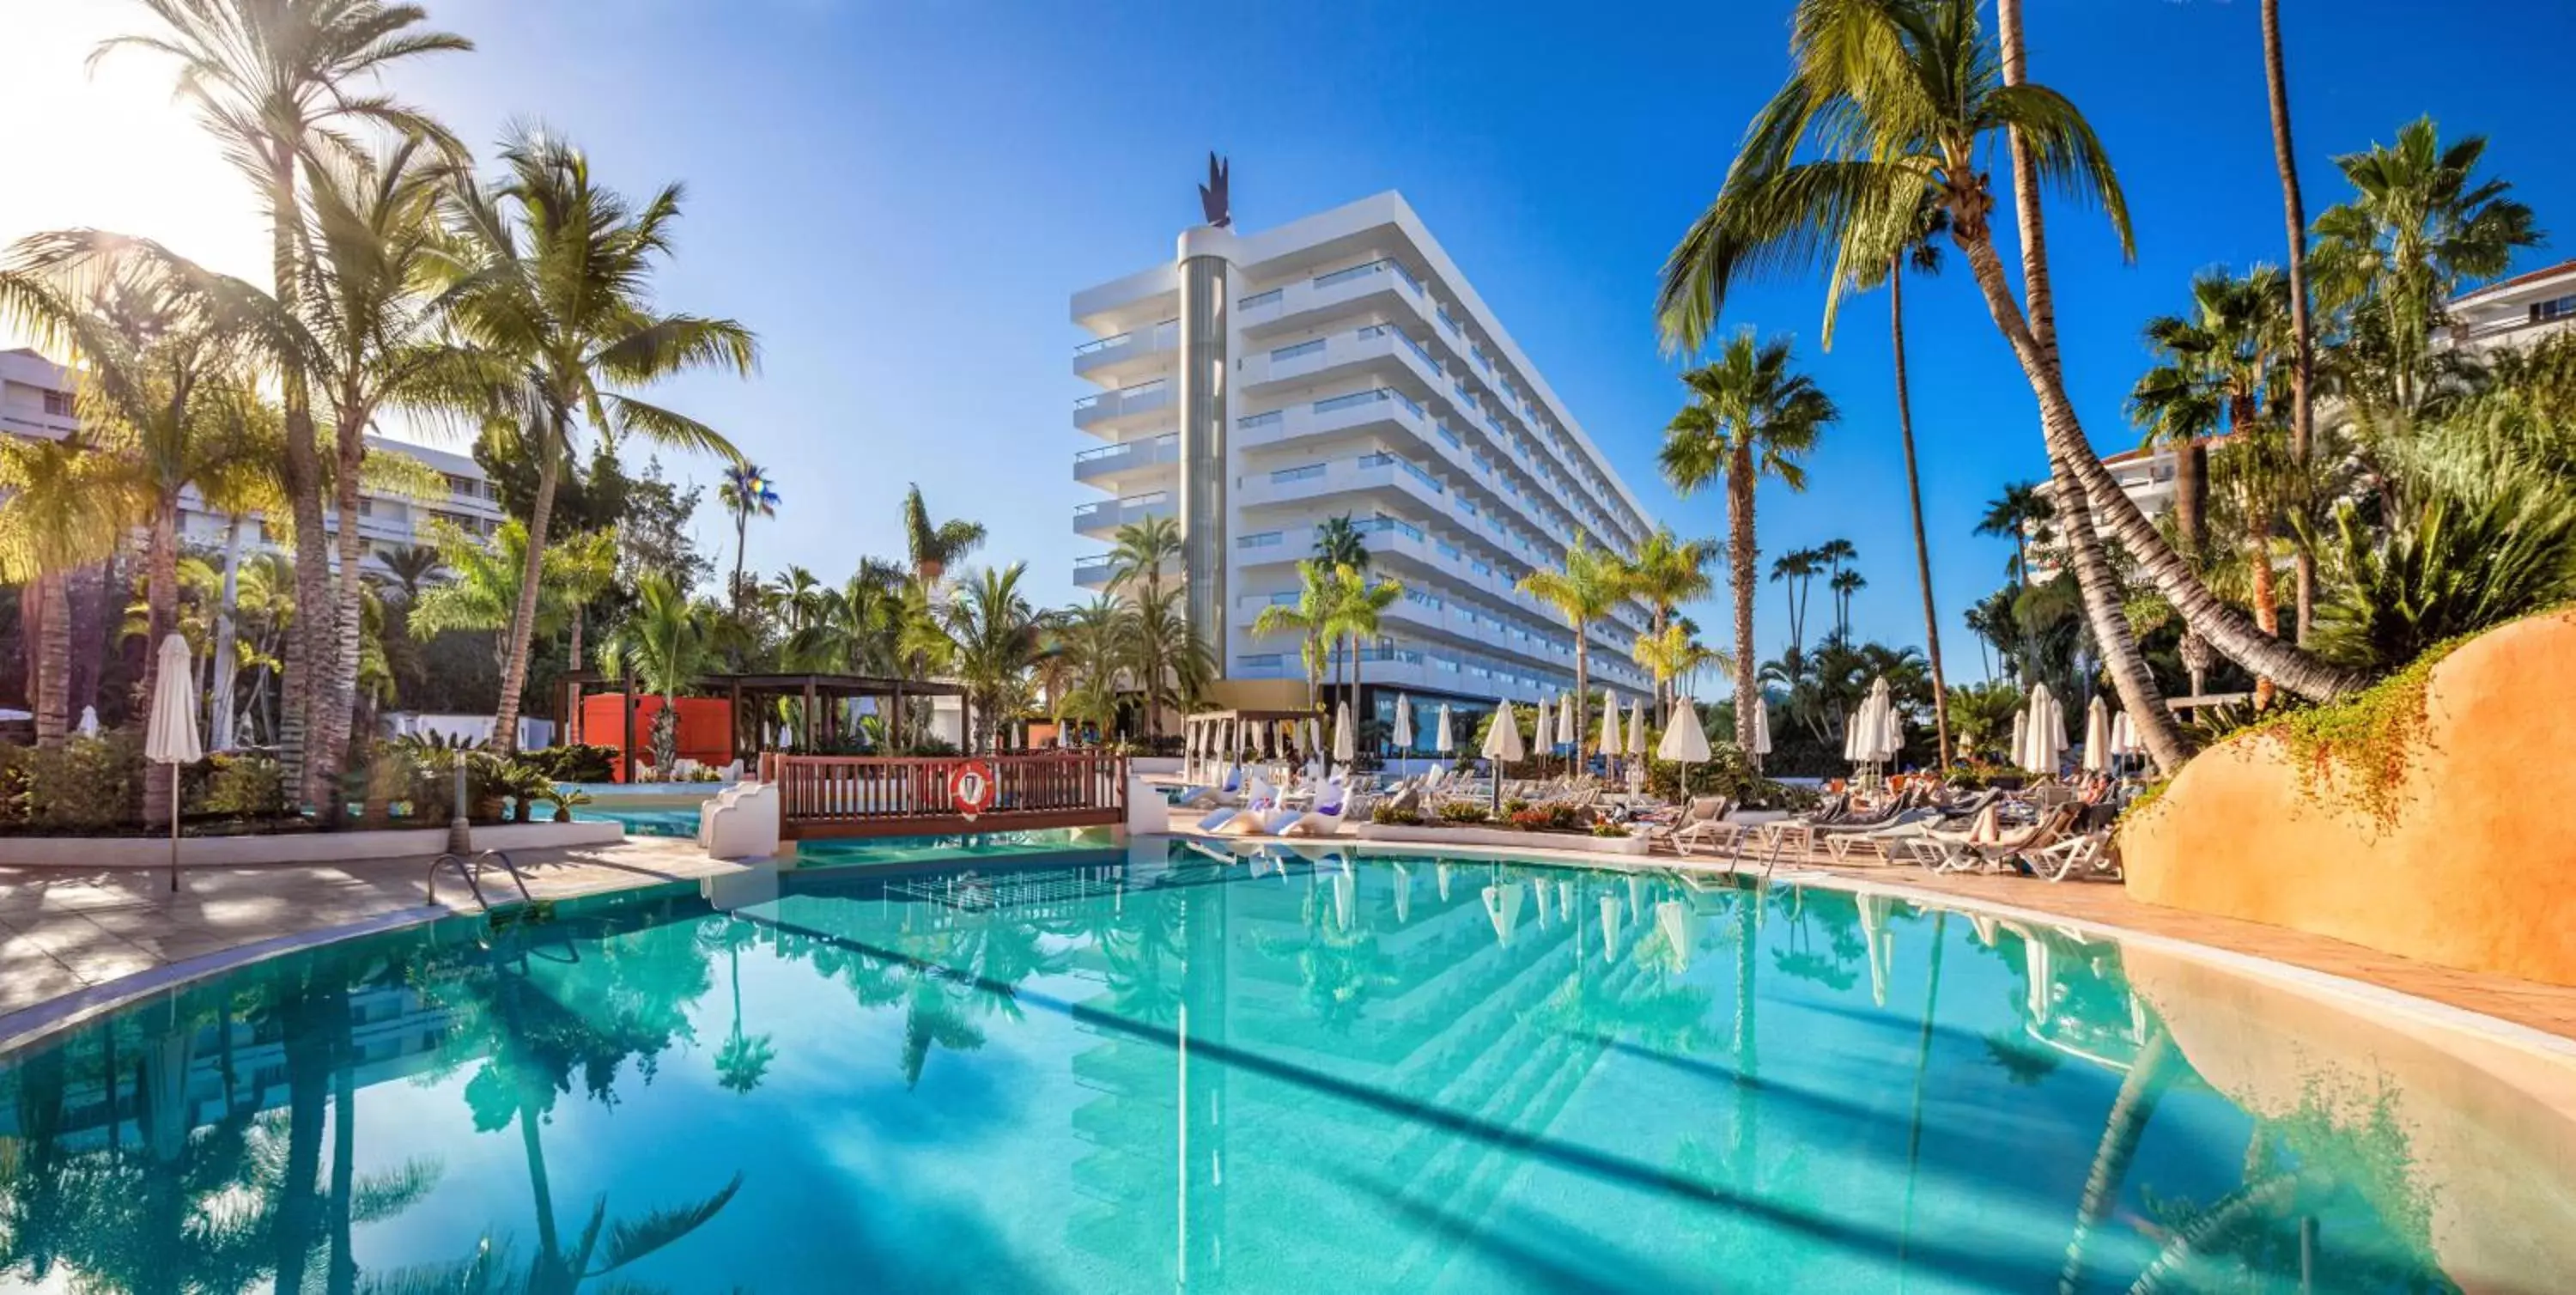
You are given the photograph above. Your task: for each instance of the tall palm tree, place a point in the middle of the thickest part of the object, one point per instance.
(1096, 643)
(550, 273)
(1750, 417)
(2420, 224)
(1339, 543)
(1674, 654)
(2023, 513)
(1144, 549)
(1914, 243)
(998, 635)
(59, 515)
(1896, 96)
(745, 492)
(1797, 569)
(1358, 605)
(1171, 663)
(2216, 363)
(1845, 584)
(934, 546)
(1667, 571)
(482, 593)
(664, 640)
(1584, 591)
(2303, 372)
(1307, 618)
(272, 80)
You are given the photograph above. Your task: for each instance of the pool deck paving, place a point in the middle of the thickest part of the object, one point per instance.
(74, 942)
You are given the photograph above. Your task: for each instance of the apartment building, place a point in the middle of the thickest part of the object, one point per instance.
(1341, 365)
(36, 399)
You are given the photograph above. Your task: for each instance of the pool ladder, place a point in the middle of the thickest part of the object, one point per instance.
(471, 869)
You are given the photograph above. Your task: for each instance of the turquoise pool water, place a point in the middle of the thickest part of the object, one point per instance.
(1321, 1070)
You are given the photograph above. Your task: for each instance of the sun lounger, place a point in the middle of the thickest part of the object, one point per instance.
(1332, 803)
(2086, 855)
(1252, 816)
(1704, 823)
(1955, 852)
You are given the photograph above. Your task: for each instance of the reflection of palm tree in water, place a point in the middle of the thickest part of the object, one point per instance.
(1832, 965)
(743, 1059)
(1338, 967)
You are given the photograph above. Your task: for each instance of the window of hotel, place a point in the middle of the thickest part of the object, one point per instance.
(1301, 348)
(2559, 308)
(58, 403)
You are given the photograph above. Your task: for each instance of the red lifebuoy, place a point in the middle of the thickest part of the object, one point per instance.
(971, 787)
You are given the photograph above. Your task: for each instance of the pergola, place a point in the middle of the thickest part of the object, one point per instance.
(1210, 732)
(816, 692)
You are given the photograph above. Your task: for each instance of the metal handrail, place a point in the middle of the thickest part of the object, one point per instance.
(471, 870)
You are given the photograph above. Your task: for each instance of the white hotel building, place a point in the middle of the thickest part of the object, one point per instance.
(36, 400)
(1342, 365)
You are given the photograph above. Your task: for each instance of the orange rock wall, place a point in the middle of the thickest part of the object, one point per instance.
(2475, 869)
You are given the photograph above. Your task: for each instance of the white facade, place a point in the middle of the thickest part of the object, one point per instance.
(36, 400)
(1365, 378)
(2518, 311)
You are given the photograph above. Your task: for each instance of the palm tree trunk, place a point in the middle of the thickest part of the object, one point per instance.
(161, 611)
(523, 622)
(1582, 690)
(2122, 1130)
(2267, 598)
(2034, 344)
(741, 539)
(53, 687)
(2191, 496)
(1739, 524)
(572, 657)
(2294, 214)
(1914, 496)
(222, 722)
(331, 722)
(308, 639)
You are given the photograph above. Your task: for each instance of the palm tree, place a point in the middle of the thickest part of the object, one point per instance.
(550, 273)
(1750, 416)
(998, 636)
(1171, 663)
(1339, 543)
(1844, 585)
(59, 515)
(1584, 591)
(1144, 548)
(1096, 644)
(932, 547)
(1307, 618)
(2022, 512)
(411, 566)
(2303, 371)
(1797, 569)
(1667, 571)
(269, 79)
(1992, 620)
(482, 594)
(1674, 654)
(2218, 362)
(1357, 606)
(2420, 224)
(664, 640)
(1897, 96)
(745, 493)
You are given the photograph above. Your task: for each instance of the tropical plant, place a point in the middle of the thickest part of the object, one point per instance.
(1674, 655)
(745, 492)
(2219, 362)
(1357, 605)
(1583, 591)
(664, 640)
(1161, 635)
(1797, 570)
(999, 636)
(1667, 571)
(58, 516)
(549, 273)
(1982, 715)
(1750, 416)
(1894, 97)
(1845, 585)
(271, 81)
(1339, 543)
(1307, 618)
(1143, 550)
(2303, 333)
(2455, 563)
(933, 546)
(2023, 513)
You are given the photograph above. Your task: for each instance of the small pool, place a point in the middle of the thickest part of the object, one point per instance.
(1155, 1067)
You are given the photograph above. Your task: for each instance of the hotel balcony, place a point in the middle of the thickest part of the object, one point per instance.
(1383, 285)
(1102, 520)
(1124, 410)
(1127, 466)
(1093, 572)
(1124, 358)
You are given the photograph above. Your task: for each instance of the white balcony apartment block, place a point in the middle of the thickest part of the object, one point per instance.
(37, 400)
(2515, 312)
(1341, 365)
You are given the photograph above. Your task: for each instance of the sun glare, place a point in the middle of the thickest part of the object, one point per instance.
(108, 147)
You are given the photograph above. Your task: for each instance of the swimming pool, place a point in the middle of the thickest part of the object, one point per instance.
(1138, 1068)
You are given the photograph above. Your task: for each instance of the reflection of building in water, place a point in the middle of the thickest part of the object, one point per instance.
(394, 1034)
(1317, 1028)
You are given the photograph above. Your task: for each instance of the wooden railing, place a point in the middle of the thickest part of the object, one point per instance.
(828, 795)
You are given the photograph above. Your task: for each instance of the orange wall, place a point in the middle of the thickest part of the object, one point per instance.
(706, 725)
(2473, 872)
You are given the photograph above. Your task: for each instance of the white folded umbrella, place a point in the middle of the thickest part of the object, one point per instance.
(2097, 737)
(1345, 742)
(1503, 739)
(1609, 724)
(171, 736)
(1761, 725)
(1403, 723)
(1684, 740)
(1637, 727)
(1442, 739)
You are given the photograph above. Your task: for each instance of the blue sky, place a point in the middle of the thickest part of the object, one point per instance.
(900, 198)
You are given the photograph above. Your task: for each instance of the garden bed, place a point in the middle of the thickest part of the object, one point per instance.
(291, 847)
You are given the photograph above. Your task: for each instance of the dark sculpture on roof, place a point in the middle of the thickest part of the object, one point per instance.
(1213, 199)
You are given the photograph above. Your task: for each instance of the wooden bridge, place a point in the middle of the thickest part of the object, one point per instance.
(824, 796)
